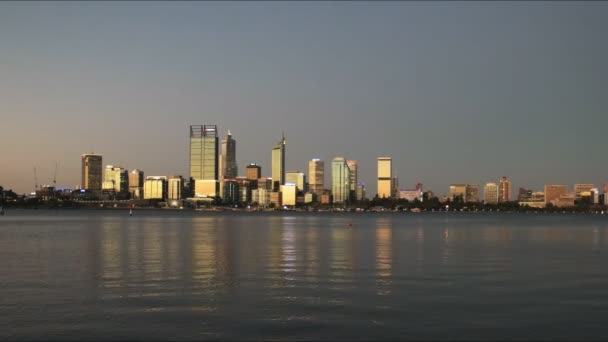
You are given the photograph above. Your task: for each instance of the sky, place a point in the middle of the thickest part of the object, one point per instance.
(454, 92)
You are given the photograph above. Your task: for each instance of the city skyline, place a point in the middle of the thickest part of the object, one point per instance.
(453, 92)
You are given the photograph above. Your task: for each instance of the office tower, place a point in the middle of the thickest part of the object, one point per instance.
(254, 172)
(265, 183)
(155, 187)
(278, 164)
(230, 169)
(261, 196)
(204, 168)
(176, 188)
(553, 192)
(394, 187)
(385, 177)
(288, 194)
(340, 180)
(525, 195)
(352, 167)
(472, 193)
(91, 172)
(457, 191)
(504, 190)
(232, 191)
(116, 179)
(490, 193)
(581, 190)
(246, 186)
(136, 184)
(360, 192)
(296, 177)
(316, 176)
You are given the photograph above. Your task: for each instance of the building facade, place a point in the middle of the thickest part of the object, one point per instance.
(553, 193)
(136, 184)
(504, 190)
(175, 188)
(155, 187)
(340, 180)
(490, 193)
(91, 172)
(316, 176)
(228, 152)
(296, 177)
(204, 155)
(385, 177)
(278, 164)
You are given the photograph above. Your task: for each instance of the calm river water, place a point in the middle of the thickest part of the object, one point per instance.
(166, 275)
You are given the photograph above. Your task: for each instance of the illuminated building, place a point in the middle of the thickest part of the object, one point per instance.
(91, 172)
(385, 177)
(296, 177)
(136, 184)
(581, 188)
(175, 188)
(316, 176)
(155, 187)
(553, 192)
(340, 180)
(490, 193)
(204, 168)
(504, 190)
(457, 191)
(116, 180)
(278, 164)
(288, 194)
(254, 172)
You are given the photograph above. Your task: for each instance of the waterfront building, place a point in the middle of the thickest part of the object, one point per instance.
(581, 190)
(553, 192)
(472, 193)
(316, 176)
(298, 178)
(265, 183)
(254, 172)
(490, 193)
(536, 199)
(136, 184)
(276, 199)
(565, 200)
(385, 177)
(524, 195)
(410, 195)
(352, 168)
(245, 186)
(394, 187)
(228, 153)
(116, 181)
(278, 164)
(91, 179)
(232, 191)
(360, 191)
(204, 155)
(457, 191)
(155, 187)
(595, 192)
(504, 190)
(175, 188)
(340, 180)
(261, 196)
(288, 193)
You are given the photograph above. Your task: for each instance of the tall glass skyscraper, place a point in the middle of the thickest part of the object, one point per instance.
(340, 180)
(204, 168)
(230, 168)
(385, 177)
(278, 165)
(316, 176)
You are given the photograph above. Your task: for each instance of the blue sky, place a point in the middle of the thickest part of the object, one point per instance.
(455, 92)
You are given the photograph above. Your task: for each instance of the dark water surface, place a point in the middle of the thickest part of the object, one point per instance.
(162, 275)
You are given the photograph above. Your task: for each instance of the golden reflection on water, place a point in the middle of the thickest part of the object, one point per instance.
(312, 251)
(383, 256)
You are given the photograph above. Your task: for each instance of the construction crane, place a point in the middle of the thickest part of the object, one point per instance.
(35, 180)
(55, 182)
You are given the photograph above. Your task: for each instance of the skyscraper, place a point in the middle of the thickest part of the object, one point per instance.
(116, 179)
(504, 190)
(204, 168)
(340, 180)
(136, 184)
(316, 176)
(296, 177)
(230, 168)
(278, 164)
(385, 177)
(352, 168)
(175, 188)
(554, 192)
(490, 193)
(91, 172)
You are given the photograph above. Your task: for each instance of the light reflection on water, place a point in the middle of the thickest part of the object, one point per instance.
(167, 275)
